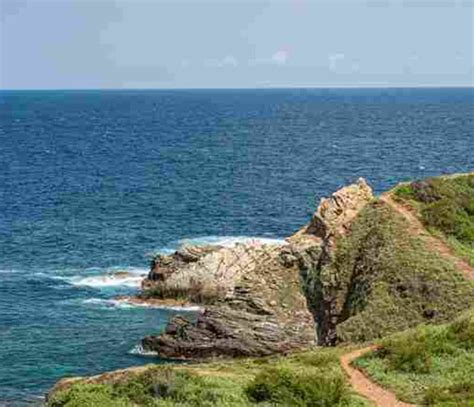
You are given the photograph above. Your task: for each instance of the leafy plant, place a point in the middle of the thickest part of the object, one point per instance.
(282, 386)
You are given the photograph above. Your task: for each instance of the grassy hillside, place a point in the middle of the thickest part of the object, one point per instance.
(306, 379)
(445, 205)
(430, 365)
(381, 280)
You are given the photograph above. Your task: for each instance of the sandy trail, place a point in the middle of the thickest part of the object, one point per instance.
(416, 228)
(364, 386)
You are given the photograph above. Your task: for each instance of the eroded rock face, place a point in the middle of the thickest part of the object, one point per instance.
(163, 266)
(313, 249)
(257, 307)
(226, 332)
(335, 214)
(211, 274)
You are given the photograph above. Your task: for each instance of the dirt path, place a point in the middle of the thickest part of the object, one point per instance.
(364, 386)
(434, 244)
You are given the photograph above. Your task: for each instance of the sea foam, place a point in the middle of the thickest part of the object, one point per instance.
(113, 277)
(108, 280)
(138, 350)
(127, 304)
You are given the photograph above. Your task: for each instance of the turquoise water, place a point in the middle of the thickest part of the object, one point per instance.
(93, 182)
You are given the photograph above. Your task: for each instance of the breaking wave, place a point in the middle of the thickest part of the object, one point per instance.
(138, 350)
(126, 304)
(108, 280)
(225, 241)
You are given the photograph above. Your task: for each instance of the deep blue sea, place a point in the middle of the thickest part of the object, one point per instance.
(94, 182)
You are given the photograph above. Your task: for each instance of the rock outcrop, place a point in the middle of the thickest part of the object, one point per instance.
(253, 302)
(335, 214)
(313, 247)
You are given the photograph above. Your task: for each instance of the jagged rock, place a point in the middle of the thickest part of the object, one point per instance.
(223, 331)
(163, 266)
(312, 248)
(335, 213)
(211, 274)
(248, 316)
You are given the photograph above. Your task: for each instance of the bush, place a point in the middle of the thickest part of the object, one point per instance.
(445, 203)
(459, 395)
(462, 331)
(90, 395)
(282, 386)
(409, 353)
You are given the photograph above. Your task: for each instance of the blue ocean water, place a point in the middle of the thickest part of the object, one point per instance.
(93, 182)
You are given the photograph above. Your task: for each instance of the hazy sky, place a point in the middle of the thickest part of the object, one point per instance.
(156, 44)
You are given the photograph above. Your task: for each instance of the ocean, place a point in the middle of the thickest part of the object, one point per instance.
(96, 182)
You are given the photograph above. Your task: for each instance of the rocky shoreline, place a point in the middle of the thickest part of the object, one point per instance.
(253, 297)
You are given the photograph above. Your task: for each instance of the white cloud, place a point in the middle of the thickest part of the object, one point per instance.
(229, 60)
(333, 59)
(280, 57)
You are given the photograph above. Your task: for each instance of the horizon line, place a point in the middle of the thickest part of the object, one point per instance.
(365, 86)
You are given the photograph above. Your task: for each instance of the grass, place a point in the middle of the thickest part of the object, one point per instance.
(382, 280)
(445, 205)
(312, 378)
(429, 365)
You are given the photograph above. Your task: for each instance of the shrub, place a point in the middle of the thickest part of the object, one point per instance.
(282, 386)
(156, 387)
(458, 394)
(409, 354)
(445, 204)
(413, 351)
(462, 331)
(81, 395)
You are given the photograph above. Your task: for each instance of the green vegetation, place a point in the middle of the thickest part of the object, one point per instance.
(282, 386)
(430, 365)
(382, 280)
(307, 379)
(445, 205)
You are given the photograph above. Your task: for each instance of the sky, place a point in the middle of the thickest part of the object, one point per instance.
(88, 44)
